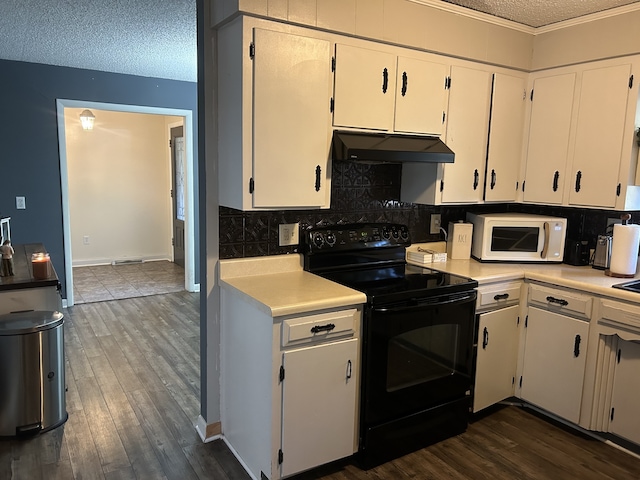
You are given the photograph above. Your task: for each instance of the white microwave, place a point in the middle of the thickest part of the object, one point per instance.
(517, 237)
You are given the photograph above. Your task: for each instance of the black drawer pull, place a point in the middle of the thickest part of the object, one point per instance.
(323, 328)
(501, 296)
(349, 369)
(485, 338)
(558, 301)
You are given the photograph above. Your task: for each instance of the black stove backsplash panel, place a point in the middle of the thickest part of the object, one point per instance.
(363, 193)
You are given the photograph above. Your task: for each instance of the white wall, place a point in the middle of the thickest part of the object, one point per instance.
(119, 183)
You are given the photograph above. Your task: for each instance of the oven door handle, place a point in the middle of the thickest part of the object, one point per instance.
(469, 297)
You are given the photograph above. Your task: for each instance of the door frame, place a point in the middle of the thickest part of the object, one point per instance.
(189, 271)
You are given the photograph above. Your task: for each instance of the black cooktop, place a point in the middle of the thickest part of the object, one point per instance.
(400, 282)
(370, 258)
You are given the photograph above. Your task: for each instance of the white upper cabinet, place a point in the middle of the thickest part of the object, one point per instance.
(599, 136)
(421, 98)
(274, 118)
(292, 88)
(381, 91)
(505, 138)
(364, 88)
(549, 129)
(467, 127)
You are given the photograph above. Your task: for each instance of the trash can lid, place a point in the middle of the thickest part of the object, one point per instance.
(20, 323)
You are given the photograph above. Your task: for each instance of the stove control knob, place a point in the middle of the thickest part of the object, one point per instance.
(318, 240)
(404, 234)
(385, 233)
(394, 232)
(331, 239)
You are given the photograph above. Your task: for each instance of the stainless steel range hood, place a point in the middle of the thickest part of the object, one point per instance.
(389, 148)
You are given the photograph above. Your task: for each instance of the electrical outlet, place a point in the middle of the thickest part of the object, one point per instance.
(288, 234)
(85, 240)
(436, 223)
(20, 203)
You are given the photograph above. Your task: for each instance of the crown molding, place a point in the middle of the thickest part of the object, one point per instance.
(467, 12)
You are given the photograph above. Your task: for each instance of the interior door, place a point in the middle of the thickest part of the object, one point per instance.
(177, 193)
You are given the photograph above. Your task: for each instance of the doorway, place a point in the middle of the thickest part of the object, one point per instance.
(138, 205)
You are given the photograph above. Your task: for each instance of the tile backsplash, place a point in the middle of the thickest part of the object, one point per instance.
(371, 193)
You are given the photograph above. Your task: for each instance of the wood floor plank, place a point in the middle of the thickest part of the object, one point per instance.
(105, 435)
(168, 451)
(204, 464)
(85, 461)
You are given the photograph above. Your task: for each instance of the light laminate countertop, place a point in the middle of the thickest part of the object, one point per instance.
(278, 286)
(585, 278)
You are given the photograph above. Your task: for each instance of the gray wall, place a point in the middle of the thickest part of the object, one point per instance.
(29, 158)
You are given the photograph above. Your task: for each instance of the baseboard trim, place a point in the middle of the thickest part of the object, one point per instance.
(235, 454)
(208, 432)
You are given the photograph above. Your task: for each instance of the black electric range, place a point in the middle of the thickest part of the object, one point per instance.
(417, 337)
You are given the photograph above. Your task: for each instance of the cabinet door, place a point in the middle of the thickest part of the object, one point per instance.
(467, 128)
(364, 88)
(292, 91)
(553, 374)
(421, 97)
(318, 405)
(626, 391)
(599, 133)
(548, 148)
(505, 138)
(497, 357)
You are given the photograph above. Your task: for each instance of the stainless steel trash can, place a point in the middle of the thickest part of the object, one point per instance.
(32, 382)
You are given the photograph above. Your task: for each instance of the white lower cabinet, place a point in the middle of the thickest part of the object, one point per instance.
(497, 357)
(318, 399)
(625, 409)
(554, 362)
(289, 386)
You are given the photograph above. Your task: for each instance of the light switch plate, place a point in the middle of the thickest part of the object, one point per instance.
(20, 203)
(288, 234)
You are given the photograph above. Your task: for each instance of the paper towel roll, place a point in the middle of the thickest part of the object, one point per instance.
(624, 250)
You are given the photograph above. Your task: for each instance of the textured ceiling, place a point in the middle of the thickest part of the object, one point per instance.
(538, 13)
(151, 38)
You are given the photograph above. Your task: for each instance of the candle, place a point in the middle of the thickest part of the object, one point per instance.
(40, 263)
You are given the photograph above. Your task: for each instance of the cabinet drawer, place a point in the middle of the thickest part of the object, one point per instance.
(557, 300)
(617, 314)
(498, 296)
(320, 327)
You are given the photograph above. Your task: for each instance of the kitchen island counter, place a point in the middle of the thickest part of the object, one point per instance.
(23, 273)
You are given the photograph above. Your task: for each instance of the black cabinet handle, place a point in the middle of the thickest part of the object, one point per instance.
(576, 347)
(476, 179)
(349, 368)
(404, 83)
(556, 177)
(558, 301)
(578, 179)
(318, 172)
(485, 338)
(501, 296)
(385, 80)
(493, 178)
(323, 328)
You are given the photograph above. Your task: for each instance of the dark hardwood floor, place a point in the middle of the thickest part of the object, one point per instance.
(134, 393)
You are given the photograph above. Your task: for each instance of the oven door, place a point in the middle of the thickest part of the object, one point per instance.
(417, 355)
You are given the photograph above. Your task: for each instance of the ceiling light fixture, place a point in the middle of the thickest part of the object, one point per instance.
(87, 118)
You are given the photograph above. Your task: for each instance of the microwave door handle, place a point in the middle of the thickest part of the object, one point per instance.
(547, 234)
